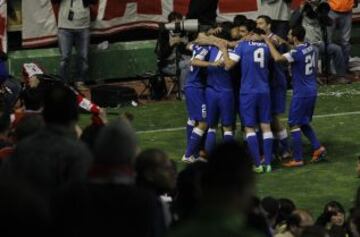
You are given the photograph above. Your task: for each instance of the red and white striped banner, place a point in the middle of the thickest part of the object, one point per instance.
(112, 16)
(3, 25)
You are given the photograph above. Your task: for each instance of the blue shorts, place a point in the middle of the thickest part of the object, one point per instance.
(301, 110)
(278, 100)
(220, 105)
(255, 109)
(195, 103)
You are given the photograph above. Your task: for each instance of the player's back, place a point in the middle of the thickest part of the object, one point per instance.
(218, 77)
(304, 70)
(254, 58)
(195, 74)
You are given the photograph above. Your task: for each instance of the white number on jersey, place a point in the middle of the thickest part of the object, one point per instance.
(310, 64)
(259, 57)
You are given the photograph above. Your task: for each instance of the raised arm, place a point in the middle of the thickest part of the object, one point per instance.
(200, 63)
(228, 62)
(204, 39)
(274, 52)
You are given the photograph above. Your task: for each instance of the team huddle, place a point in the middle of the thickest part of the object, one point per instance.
(248, 77)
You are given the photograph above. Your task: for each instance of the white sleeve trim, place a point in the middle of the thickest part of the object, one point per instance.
(288, 57)
(202, 54)
(234, 57)
(200, 57)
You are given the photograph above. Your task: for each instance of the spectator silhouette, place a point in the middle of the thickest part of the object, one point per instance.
(227, 184)
(188, 190)
(156, 173)
(333, 219)
(52, 157)
(109, 203)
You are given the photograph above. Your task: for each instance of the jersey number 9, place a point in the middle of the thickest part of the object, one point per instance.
(259, 57)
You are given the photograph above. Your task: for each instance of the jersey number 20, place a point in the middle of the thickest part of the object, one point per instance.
(259, 57)
(310, 64)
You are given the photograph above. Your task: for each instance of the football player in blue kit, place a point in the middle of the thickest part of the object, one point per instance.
(195, 100)
(303, 67)
(278, 87)
(254, 57)
(219, 94)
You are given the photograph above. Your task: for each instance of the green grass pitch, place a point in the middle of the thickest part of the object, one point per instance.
(337, 123)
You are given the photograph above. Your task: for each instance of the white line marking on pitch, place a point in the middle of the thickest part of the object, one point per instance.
(284, 119)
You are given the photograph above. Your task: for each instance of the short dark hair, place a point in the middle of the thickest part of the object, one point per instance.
(239, 20)
(229, 169)
(226, 30)
(267, 19)
(250, 24)
(287, 206)
(298, 32)
(174, 16)
(148, 160)
(258, 31)
(271, 206)
(60, 105)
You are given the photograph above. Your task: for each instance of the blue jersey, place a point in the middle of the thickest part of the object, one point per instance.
(255, 57)
(303, 70)
(218, 78)
(194, 77)
(277, 70)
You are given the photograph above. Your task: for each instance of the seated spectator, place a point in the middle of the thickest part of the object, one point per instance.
(109, 203)
(256, 218)
(286, 208)
(333, 219)
(229, 173)
(188, 190)
(52, 157)
(155, 172)
(298, 220)
(271, 208)
(27, 126)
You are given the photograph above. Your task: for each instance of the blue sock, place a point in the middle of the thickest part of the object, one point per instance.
(268, 146)
(194, 143)
(228, 136)
(310, 134)
(253, 145)
(210, 141)
(297, 144)
(260, 140)
(282, 136)
(189, 128)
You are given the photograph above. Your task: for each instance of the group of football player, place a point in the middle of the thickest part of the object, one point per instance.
(242, 69)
